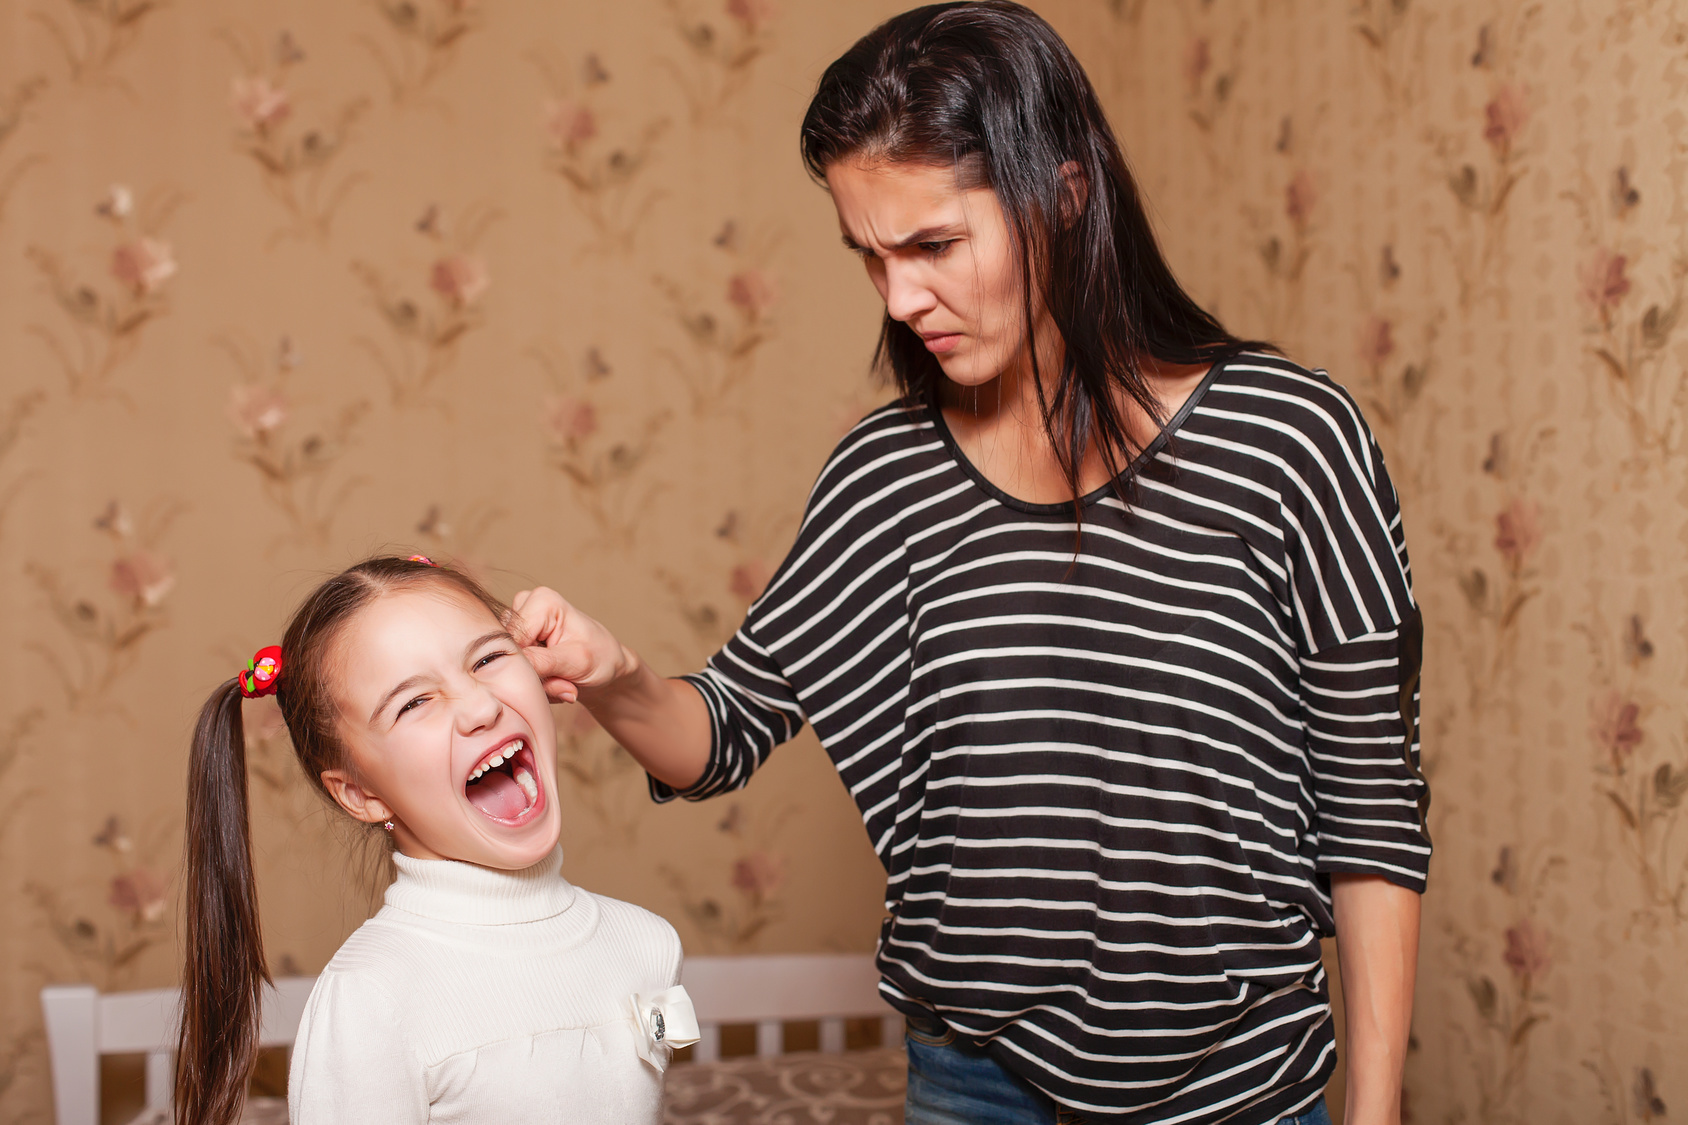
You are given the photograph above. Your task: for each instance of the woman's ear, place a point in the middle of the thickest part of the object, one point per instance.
(1077, 191)
(359, 802)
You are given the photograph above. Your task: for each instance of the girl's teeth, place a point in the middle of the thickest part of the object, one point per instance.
(525, 780)
(499, 759)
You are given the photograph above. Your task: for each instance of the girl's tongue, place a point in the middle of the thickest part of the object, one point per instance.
(505, 791)
(498, 795)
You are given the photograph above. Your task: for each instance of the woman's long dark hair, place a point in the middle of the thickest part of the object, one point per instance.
(223, 980)
(988, 88)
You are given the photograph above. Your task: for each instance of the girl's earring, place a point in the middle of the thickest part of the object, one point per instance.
(388, 826)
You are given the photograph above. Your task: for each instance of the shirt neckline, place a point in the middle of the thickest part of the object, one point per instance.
(1097, 494)
(448, 890)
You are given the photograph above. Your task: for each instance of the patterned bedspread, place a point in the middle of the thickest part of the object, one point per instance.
(855, 1088)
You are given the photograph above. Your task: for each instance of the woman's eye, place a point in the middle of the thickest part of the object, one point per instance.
(935, 249)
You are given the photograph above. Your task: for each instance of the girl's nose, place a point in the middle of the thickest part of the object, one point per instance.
(478, 709)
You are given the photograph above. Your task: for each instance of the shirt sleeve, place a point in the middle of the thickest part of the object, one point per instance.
(1360, 705)
(1359, 640)
(351, 1061)
(744, 725)
(1345, 546)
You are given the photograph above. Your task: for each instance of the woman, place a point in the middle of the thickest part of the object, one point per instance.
(1106, 624)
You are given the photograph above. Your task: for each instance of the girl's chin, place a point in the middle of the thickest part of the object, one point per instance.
(519, 857)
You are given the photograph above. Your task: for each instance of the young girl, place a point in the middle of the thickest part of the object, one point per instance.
(487, 989)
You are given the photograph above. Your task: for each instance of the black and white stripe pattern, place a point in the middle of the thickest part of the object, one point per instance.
(1109, 789)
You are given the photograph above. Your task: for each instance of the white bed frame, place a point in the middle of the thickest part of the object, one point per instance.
(767, 991)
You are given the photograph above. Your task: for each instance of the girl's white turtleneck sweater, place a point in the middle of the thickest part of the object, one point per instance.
(476, 995)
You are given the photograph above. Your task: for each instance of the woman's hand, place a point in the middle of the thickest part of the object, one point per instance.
(570, 651)
(662, 723)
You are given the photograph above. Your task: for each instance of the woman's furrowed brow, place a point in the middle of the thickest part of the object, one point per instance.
(925, 234)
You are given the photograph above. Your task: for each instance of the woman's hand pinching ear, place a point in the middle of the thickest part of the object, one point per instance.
(570, 651)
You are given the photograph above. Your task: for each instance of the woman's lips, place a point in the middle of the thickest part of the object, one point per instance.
(941, 342)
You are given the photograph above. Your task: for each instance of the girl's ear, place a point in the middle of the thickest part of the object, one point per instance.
(359, 802)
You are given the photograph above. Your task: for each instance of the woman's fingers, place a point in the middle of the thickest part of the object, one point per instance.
(561, 642)
(537, 616)
(559, 690)
(564, 662)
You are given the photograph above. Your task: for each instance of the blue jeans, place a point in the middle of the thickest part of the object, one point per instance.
(951, 1081)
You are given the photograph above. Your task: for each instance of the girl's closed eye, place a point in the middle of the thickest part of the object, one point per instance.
(414, 703)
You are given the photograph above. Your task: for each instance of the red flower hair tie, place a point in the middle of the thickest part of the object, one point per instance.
(423, 559)
(261, 673)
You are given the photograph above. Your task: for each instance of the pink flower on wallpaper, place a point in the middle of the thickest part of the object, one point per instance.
(571, 419)
(759, 874)
(142, 577)
(570, 125)
(256, 411)
(1617, 729)
(1198, 57)
(259, 103)
(1377, 341)
(1517, 533)
(461, 279)
(1526, 950)
(753, 291)
(144, 264)
(754, 14)
(141, 893)
(1299, 198)
(748, 580)
(1605, 281)
(1505, 117)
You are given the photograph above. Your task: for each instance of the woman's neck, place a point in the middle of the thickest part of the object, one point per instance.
(999, 427)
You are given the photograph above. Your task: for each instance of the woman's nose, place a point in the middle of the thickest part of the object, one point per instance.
(906, 297)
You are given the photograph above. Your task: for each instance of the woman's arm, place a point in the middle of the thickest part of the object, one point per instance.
(1377, 946)
(663, 723)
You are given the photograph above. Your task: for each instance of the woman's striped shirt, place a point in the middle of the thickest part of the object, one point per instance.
(1109, 788)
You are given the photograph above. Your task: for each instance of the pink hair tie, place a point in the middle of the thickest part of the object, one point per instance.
(424, 560)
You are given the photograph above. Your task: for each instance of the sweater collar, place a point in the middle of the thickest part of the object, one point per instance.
(451, 891)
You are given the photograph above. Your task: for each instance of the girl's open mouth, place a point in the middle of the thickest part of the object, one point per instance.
(505, 784)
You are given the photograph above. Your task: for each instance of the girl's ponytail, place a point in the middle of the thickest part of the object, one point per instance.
(223, 979)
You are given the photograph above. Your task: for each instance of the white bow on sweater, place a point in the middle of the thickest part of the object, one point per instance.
(663, 1021)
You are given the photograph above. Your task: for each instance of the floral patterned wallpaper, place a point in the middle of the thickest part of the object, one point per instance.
(1475, 214)
(542, 287)
(539, 287)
